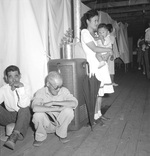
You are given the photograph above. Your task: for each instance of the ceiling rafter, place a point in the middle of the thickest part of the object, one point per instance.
(98, 5)
(127, 9)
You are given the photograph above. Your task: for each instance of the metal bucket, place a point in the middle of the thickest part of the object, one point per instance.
(68, 51)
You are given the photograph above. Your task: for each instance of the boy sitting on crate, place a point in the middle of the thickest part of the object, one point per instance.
(53, 107)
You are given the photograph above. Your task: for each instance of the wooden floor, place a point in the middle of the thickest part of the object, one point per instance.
(126, 134)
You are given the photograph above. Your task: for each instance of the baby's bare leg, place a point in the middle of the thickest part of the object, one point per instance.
(99, 57)
(101, 61)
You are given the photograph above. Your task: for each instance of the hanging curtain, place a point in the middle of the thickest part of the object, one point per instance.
(29, 31)
(59, 12)
(123, 43)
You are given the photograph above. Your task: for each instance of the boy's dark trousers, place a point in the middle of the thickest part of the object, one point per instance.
(20, 118)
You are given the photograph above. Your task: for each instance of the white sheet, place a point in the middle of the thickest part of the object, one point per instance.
(29, 30)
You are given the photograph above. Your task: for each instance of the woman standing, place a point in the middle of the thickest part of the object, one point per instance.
(89, 24)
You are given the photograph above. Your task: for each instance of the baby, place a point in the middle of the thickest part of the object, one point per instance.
(103, 40)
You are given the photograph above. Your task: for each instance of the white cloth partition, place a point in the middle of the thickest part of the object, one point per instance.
(79, 52)
(123, 43)
(59, 22)
(29, 30)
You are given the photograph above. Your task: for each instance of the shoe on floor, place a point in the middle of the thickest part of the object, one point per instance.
(11, 141)
(37, 143)
(96, 116)
(101, 123)
(99, 113)
(105, 118)
(64, 140)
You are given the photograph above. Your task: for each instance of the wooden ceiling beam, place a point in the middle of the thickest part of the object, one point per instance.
(131, 14)
(131, 19)
(127, 9)
(98, 5)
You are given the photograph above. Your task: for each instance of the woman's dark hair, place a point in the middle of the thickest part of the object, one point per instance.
(110, 27)
(11, 68)
(102, 25)
(87, 16)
